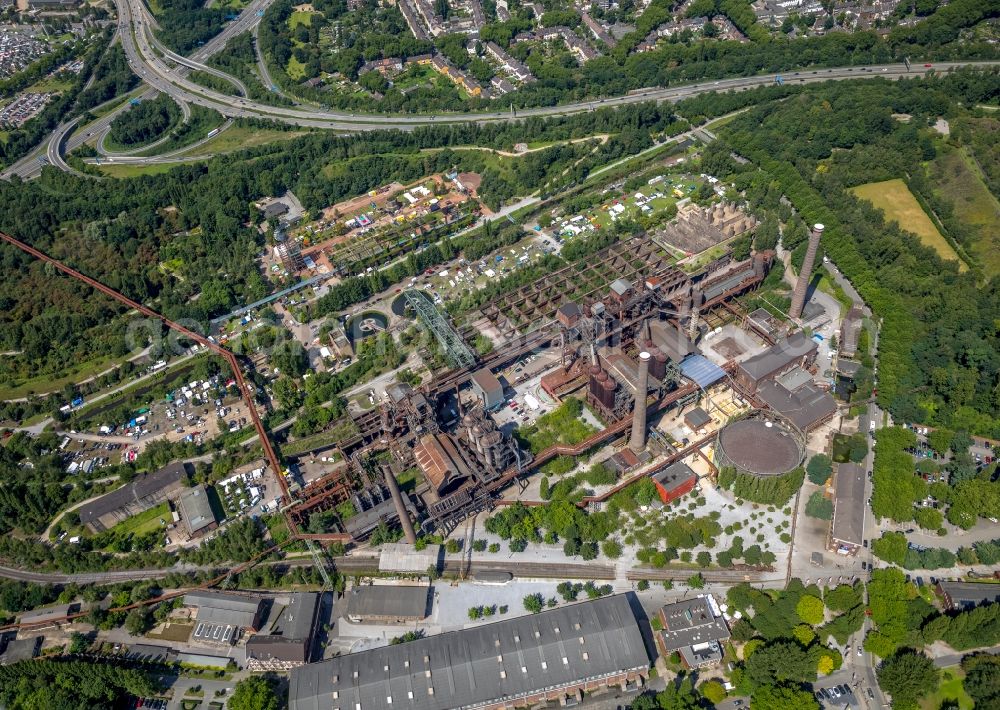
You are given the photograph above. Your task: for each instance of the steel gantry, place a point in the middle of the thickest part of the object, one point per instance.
(427, 313)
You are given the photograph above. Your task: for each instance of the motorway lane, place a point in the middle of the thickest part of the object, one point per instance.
(139, 47)
(30, 167)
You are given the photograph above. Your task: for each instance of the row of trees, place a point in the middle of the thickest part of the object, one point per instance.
(766, 490)
(617, 72)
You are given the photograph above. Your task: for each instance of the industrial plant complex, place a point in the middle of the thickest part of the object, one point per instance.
(632, 348)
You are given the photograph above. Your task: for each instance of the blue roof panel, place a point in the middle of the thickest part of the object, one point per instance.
(701, 370)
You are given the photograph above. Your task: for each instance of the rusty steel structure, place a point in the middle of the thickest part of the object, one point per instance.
(227, 355)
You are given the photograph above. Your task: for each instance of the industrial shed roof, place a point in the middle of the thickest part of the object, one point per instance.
(290, 637)
(805, 407)
(23, 650)
(701, 370)
(963, 595)
(778, 356)
(507, 659)
(142, 486)
(196, 509)
(486, 381)
(385, 600)
(49, 613)
(692, 621)
(849, 505)
(224, 609)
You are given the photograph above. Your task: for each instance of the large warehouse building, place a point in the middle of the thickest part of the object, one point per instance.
(144, 492)
(288, 641)
(554, 656)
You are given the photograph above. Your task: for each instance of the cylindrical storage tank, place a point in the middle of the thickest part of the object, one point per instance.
(608, 386)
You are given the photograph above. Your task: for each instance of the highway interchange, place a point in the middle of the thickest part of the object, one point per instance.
(163, 70)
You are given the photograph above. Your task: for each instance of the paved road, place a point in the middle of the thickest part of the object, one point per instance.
(139, 46)
(144, 54)
(955, 658)
(30, 167)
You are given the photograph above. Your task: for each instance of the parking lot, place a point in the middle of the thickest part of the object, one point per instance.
(839, 696)
(252, 490)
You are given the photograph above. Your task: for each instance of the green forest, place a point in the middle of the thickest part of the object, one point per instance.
(383, 34)
(70, 684)
(144, 122)
(939, 350)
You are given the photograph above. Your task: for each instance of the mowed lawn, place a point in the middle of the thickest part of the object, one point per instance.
(950, 691)
(894, 198)
(958, 180)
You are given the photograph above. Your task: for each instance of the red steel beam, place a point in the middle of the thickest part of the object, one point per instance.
(227, 355)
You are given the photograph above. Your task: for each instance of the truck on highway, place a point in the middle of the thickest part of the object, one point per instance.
(212, 132)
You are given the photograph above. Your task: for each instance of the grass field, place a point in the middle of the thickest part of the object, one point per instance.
(153, 519)
(949, 692)
(300, 18)
(173, 632)
(129, 171)
(237, 138)
(49, 84)
(958, 181)
(295, 69)
(898, 204)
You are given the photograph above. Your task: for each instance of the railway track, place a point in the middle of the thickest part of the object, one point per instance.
(652, 574)
(528, 570)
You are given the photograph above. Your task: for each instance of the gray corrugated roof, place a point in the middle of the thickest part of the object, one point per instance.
(778, 356)
(697, 418)
(23, 650)
(721, 287)
(805, 407)
(620, 286)
(691, 622)
(290, 638)
(277, 648)
(142, 486)
(220, 608)
(794, 378)
(48, 613)
(486, 381)
(471, 667)
(966, 594)
(299, 617)
(195, 509)
(849, 505)
(386, 600)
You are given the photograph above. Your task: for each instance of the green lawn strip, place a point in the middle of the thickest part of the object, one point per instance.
(46, 384)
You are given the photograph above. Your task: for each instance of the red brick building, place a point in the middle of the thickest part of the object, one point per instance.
(674, 481)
